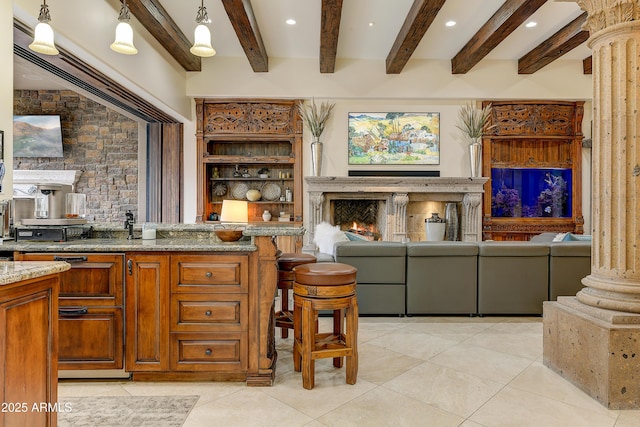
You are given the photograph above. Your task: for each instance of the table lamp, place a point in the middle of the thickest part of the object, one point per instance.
(233, 218)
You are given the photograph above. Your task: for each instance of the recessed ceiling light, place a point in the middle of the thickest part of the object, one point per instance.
(531, 24)
(291, 21)
(450, 23)
(371, 23)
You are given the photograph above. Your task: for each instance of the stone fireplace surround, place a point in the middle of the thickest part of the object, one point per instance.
(397, 192)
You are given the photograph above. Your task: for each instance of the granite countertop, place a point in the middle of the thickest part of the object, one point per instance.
(170, 237)
(16, 271)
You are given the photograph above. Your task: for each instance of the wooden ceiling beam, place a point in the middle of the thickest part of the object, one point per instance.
(569, 37)
(157, 21)
(329, 32)
(506, 19)
(587, 64)
(416, 24)
(244, 23)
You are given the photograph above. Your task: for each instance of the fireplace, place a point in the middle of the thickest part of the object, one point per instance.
(400, 204)
(364, 217)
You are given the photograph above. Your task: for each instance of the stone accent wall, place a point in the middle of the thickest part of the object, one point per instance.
(98, 141)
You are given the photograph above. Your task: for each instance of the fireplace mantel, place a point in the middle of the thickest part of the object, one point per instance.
(398, 191)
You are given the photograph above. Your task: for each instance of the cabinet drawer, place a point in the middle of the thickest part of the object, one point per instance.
(93, 340)
(93, 280)
(209, 312)
(209, 273)
(209, 352)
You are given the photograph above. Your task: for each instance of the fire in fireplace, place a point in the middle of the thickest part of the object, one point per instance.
(361, 217)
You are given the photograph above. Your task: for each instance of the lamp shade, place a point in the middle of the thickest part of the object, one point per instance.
(202, 44)
(124, 39)
(235, 211)
(43, 40)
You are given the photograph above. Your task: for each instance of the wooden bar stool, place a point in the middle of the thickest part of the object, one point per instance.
(325, 286)
(286, 262)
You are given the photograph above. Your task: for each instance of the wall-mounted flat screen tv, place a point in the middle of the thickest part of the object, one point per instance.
(37, 136)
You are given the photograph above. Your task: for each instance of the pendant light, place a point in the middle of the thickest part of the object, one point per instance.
(43, 38)
(124, 33)
(202, 35)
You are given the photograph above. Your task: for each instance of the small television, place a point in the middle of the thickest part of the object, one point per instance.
(37, 136)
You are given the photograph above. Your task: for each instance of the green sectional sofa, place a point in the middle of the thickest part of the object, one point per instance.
(463, 278)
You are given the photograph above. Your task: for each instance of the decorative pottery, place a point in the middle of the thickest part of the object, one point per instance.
(434, 227)
(266, 216)
(254, 195)
(475, 156)
(316, 158)
(451, 217)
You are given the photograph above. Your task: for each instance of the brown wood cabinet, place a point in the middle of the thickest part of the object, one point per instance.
(28, 351)
(532, 156)
(188, 316)
(237, 139)
(91, 318)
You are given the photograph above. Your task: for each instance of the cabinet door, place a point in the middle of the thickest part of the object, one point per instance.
(147, 312)
(27, 357)
(91, 339)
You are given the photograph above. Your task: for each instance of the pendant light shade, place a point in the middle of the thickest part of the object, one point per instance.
(43, 38)
(124, 33)
(202, 35)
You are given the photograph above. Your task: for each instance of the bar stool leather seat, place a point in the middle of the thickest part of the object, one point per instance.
(286, 263)
(325, 286)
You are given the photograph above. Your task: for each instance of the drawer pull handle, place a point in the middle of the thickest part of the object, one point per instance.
(207, 313)
(209, 274)
(72, 311)
(208, 352)
(70, 259)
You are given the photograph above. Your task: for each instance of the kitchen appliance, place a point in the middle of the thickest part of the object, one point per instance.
(50, 200)
(53, 233)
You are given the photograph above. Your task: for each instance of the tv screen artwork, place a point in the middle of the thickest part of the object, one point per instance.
(37, 136)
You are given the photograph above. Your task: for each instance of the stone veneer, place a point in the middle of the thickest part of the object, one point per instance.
(98, 141)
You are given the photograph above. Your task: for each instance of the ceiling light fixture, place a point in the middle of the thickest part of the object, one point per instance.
(291, 21)
(531, 24)
(450, 23)
(202, 35)
(124, 33)
(43, 38)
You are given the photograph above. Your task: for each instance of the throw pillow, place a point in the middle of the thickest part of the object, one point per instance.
(326, 236)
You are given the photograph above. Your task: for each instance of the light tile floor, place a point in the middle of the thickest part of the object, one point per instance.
(413, 371)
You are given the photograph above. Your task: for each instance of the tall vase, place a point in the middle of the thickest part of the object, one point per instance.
(451, 217)
(316, 158)
(475, 155)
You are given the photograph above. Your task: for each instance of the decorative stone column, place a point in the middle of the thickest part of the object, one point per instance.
(472, 217)
(593, 339)
(614, 281)
(400, 201)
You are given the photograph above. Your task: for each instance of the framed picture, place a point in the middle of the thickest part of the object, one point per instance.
(394, 138)
(1, 145)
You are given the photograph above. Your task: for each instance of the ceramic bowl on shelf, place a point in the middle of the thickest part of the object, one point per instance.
(271, 191)
(253, 195)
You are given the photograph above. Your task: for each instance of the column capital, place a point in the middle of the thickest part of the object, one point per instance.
(603, 14)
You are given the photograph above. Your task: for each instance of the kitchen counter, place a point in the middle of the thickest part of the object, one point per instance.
(17, 271)
(170, 237)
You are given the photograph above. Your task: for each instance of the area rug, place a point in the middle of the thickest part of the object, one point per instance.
(108, 411)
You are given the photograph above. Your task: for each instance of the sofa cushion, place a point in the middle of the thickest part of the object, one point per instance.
(370, 249)
(513, 249)
(572, 248)
(442, 249)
